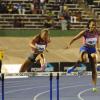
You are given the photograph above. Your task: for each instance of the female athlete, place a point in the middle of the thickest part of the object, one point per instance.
(38, 44)
(89, 48)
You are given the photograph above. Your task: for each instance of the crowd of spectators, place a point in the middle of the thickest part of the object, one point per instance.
(65, 16)
(10, 8)
(33, 6)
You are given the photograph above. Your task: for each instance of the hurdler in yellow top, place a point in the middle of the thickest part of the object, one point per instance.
(1, 54)
(1, 57)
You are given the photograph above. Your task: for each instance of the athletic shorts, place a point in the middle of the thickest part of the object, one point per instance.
(32, 57)
(87, 49)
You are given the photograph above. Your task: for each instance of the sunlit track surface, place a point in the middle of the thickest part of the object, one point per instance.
(37, 88)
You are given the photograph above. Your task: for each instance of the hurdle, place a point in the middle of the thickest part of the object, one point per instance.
(50, 86)
(2, 81)
(57, 79)
(57, 86)
(20, 75)
(57, 76)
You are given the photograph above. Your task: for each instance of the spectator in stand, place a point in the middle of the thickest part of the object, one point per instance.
(48, 23)
(65, 18)
(32, 8)
(79, 16)
(10, 8)
(15, 8)
(42, 4)
(21, 9)
(3, 8)
(37, 6)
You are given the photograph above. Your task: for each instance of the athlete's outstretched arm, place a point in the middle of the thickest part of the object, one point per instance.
(32, 42)
(76, 37)
(98, 44)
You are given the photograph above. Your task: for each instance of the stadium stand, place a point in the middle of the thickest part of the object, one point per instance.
(36, 20)
(95, 7)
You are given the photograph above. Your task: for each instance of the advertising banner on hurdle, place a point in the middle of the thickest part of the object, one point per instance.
(14, 68)
(50, 67)
(65, 65)
(11, 68)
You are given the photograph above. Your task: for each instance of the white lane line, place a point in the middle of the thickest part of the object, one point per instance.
(29, 88)
(15, 81)
(17, 90)
(21, 85)
(80, 93)
(18, 85)
(41, 93)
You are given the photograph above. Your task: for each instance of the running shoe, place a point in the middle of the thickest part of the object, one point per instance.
(94, 89)
(71, 69)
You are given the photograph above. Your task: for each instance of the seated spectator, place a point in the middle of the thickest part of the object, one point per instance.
(79, 16)
(3, 8)
(10, 8)
(65, 18)
(63, 23)
(21, 9)
(32, 8)
(37, 6)
(48, 22)
(15, 8)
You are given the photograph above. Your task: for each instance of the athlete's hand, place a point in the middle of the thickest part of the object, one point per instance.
(98, 49)
(67, 47)
(46, 50)
(33, 46)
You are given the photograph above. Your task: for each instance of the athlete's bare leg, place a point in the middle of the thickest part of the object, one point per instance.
(82, 59)
(25, 66)
(94, 71)
(92, 59)
(41, 60)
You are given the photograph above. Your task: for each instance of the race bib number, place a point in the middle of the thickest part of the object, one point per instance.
(91, 41)
(40, 47)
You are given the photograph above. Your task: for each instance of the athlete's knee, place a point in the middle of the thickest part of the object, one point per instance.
(94, 57)
(84, 56)
(25, 66)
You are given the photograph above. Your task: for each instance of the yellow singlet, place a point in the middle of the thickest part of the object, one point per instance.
(1, 54)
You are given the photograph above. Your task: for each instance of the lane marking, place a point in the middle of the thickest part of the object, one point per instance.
(41, 93)
(80, 93)
(13, 91)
